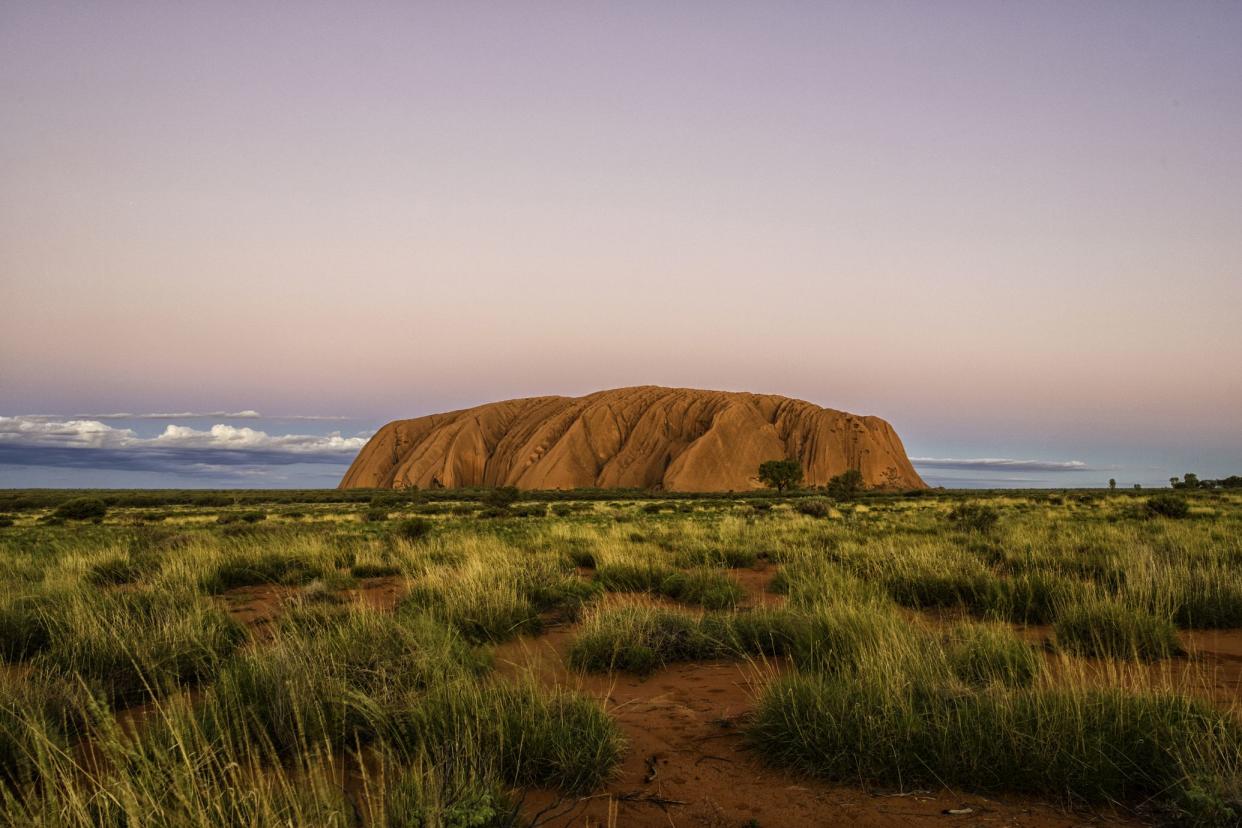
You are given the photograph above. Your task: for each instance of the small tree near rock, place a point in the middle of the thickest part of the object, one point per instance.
(780, 474)
(846, 484)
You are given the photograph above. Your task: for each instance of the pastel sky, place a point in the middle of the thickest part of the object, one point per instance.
(1014, 230)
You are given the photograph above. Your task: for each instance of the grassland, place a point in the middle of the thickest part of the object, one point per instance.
(255, 659)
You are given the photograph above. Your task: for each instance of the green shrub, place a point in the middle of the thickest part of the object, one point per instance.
(846, 485)
(430, 794)
(235, 518)
(1167, 505)
(974, 517)
(81, 508)
(414, 529)
(813, 507)
(501, 497)
(375, 515)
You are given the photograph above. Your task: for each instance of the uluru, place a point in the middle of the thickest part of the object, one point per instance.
(646, 437)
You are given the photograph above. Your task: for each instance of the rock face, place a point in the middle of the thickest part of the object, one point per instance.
(676, 439)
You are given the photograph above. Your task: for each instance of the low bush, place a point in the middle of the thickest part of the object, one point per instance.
(414, 529)
(1168, 506)
(236, 518)
(974, 517)
(631, 577)
(81, 508)
(813, 507)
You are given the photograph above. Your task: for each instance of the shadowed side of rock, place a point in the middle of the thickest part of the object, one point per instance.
(676, 439)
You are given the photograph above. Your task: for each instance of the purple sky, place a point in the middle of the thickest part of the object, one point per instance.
(1012, 229)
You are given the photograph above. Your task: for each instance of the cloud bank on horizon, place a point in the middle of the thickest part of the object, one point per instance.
(1001, 464)
(222, 450)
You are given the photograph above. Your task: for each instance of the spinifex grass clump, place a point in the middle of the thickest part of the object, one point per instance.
(38, 714)
(983, 653)
(1108, 628)
(173, 773)
(631, 576)
(23, 627)
(526, 733)
(1090, 744)
(137, 644)
(707, 588)
(427, 793)
(250, 568)
(331, 676)
(117, 569)
(489, 594)
(640, 639)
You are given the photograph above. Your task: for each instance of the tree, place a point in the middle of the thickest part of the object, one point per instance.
(846, 484)
(1173, 484)
(1192, 480)
(780, 474)
(1112, 483)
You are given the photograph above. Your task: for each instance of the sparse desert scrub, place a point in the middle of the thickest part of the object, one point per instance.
(885, 676)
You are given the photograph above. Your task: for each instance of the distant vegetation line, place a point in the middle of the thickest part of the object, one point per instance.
(18, 500)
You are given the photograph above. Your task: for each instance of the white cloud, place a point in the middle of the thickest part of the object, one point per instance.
(36, 432)
(1000, 464)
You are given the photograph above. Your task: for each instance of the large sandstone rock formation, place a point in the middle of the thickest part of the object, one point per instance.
(676, 439)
